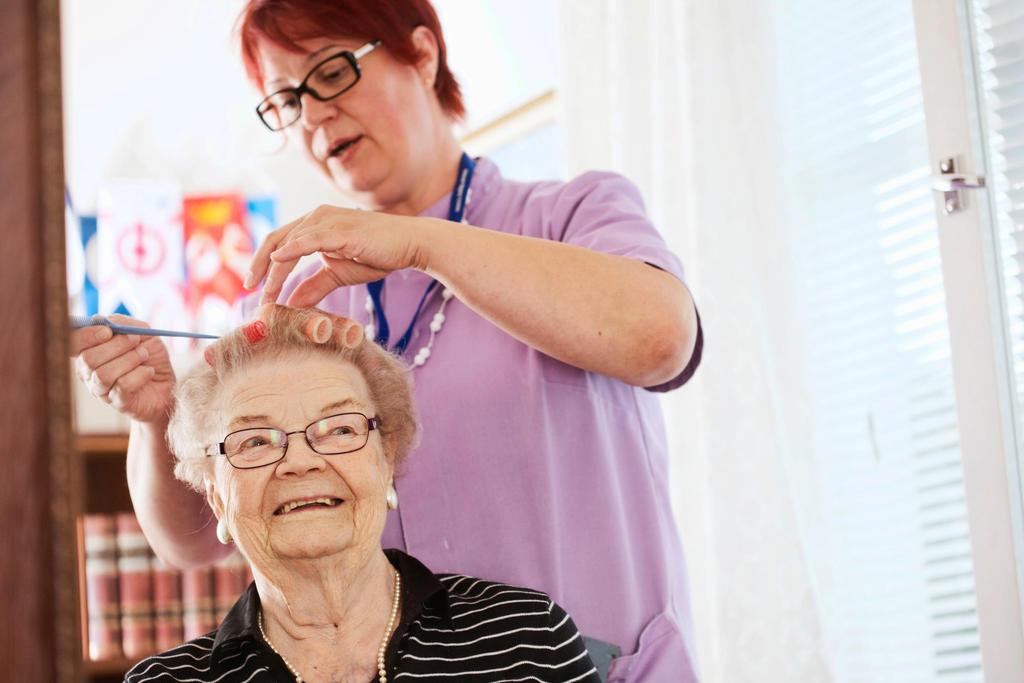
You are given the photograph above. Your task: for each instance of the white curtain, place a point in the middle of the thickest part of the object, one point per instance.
(679, 96)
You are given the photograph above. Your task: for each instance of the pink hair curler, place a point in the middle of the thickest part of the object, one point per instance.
(348, 334)
(319, 329)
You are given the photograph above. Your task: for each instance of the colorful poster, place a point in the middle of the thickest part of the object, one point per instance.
(140, 261)
(90, 296)
(218, 249)
(262, 217)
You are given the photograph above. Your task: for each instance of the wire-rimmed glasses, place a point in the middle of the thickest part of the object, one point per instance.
(261, 446)
(325, 81)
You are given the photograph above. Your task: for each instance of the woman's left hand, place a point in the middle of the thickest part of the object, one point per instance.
(355, 246)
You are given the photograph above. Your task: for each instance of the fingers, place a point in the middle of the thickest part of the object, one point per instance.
(304, 241)
(313, 289)
(126, 320)
(92, 358)
(128, 384)
(337, 274)
(261, 259)
(264, 312)
(324, 231)
(87, 337)
(118, 372)
(277, 274)
(310, 241)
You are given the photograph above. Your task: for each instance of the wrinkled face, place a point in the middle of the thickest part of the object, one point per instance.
(258, 505)
(375, 140)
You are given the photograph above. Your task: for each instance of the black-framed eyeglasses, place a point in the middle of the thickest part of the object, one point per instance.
(325, 81)
(261, 446)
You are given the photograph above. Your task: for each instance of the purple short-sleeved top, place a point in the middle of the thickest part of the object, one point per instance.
(533, 472)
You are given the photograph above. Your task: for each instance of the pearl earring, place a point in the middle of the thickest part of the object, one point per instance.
(223, 535)
(392, 497)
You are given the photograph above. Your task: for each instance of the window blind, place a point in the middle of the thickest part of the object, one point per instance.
(896, 577)
(999, 63)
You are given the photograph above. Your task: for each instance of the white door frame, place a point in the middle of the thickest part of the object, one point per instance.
(980, 372)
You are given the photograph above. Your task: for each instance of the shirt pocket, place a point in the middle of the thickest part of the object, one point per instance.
(661, 655)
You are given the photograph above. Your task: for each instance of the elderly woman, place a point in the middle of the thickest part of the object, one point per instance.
(294, 431)
(541, 320)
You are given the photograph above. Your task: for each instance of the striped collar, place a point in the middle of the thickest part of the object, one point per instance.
(421, 591)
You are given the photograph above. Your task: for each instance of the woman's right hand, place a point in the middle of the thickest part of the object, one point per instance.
(132, 373)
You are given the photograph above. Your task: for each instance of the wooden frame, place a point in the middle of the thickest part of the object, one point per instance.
(39, 640)
(512, 125)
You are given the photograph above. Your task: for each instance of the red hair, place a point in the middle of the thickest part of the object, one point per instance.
(286, 22)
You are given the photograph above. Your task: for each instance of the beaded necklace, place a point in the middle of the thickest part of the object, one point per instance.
(377, 328)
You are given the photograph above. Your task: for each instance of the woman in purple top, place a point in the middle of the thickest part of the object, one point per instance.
(538, 318)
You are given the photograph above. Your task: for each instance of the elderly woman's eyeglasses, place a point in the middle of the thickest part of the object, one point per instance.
(332, 435)
(328, 79)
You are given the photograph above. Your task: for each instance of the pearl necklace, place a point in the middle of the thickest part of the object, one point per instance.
(382, 674)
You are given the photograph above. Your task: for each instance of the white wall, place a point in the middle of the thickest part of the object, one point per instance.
(157, 89)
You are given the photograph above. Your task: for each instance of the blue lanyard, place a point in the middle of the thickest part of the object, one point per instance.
(456, 209)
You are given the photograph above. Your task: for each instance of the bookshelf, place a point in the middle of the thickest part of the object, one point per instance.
(108, 669)
(142, 605)
(104, 491)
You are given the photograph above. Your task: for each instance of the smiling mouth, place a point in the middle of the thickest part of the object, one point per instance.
(324, 502)
(340, 149)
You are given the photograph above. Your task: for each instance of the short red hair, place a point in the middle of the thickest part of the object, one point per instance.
(286, 22)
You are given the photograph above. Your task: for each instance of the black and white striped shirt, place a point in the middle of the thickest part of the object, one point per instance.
(453, 628)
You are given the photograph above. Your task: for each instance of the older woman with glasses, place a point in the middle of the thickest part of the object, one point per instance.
(540, 320)
(294, 430)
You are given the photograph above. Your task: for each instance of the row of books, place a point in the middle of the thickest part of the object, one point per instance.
(135, 604)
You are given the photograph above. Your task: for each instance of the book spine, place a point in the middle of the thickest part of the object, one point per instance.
(167, 609)
(101, 586)
(227, 586)
(136, 587)
(197, 602)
